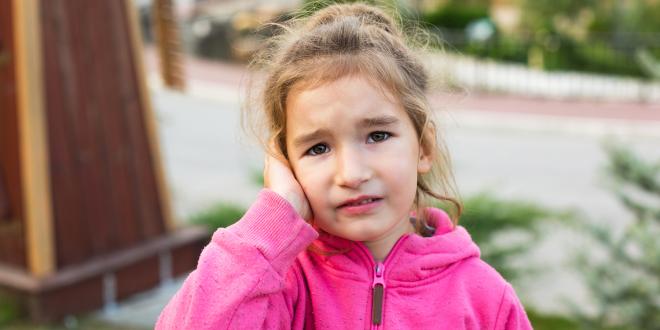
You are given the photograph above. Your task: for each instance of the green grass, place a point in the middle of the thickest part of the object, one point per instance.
(550, 322)
(9, 310)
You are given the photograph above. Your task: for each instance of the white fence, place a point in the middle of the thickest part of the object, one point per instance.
(486, 75)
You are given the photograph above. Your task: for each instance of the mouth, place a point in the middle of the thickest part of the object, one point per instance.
(360, 206)
(362, 200)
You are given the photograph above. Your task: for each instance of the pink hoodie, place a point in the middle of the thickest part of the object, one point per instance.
(259, 274)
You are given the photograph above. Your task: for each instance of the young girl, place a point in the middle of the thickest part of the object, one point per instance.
(342, 236)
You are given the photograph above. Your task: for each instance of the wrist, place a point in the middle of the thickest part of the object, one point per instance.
(290, 197)
(272, 226)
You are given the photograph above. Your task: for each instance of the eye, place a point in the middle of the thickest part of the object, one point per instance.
(378, 137)
(317, 150)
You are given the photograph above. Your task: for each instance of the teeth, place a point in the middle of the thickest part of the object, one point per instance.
(364, 201)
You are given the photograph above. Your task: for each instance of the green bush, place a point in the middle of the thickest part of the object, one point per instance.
(550, 322)
(593, 56)
(501, 48)
(625, 283)
(221, 215)
(455, 15)
(311, 6)
(603, 43)
(486, 217)
(560, 54)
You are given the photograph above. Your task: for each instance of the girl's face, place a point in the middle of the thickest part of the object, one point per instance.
(356, 155)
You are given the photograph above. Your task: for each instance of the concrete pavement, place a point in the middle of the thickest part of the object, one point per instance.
(551, 158)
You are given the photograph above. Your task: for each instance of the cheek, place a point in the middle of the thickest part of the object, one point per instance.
(402, 175)
(311, 177)
(399, 169)
(400, 158)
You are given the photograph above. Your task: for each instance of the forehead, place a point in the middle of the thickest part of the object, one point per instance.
(340, 101)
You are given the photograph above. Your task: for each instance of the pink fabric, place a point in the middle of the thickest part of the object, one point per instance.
(258, 274)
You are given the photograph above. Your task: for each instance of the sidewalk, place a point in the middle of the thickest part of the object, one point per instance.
(221, 81)
(234, 75)
(517, 148)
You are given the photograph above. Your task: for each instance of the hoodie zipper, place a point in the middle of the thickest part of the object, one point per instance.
(378, 283)
(377, 293)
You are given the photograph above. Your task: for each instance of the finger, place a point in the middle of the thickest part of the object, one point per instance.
(276, 152)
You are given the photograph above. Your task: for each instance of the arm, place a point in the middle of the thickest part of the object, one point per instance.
(511, 314)
(244, 279)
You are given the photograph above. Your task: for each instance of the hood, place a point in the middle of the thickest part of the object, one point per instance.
(414, 257)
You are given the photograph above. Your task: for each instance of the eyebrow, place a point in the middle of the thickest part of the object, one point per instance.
(379, 121)
(306, 138)
(364, 123)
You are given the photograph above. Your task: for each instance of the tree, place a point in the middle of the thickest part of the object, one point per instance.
(625, 282)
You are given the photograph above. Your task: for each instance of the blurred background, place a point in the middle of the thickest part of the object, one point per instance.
(550, 110)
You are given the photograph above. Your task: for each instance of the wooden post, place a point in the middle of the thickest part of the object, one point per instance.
(149, 116)
(168, 43)
(33, 146)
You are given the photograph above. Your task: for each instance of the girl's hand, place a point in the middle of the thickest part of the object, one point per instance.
(279, 178)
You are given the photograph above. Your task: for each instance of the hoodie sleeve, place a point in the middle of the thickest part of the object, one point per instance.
(244, 277)
(511, 313)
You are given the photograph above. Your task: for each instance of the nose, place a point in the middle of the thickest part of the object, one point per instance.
(352, 169)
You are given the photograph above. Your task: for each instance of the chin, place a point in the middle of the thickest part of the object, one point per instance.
(359, 230)
(360, 234)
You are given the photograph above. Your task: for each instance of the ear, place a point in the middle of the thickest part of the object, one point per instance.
(426, 151)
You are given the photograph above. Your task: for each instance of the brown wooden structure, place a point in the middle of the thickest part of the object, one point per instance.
(84, 211)
(169, 44)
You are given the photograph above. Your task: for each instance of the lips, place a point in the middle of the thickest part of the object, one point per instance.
(361, 200)
(361, 206)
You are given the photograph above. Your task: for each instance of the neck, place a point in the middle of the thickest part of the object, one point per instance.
(382, 246)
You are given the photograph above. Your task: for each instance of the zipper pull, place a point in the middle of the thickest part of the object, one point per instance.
(378, 291)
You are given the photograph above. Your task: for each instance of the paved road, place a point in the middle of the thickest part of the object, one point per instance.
(232, 74)
(553, 161)
(546, 157)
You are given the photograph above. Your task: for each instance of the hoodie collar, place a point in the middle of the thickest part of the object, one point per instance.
(413, 257)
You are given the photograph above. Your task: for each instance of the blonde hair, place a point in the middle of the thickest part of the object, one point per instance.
(352, 39)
